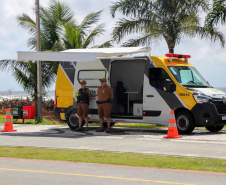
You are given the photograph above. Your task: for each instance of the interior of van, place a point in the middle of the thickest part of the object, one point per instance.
(127, 78)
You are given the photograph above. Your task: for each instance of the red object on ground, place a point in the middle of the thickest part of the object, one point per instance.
(28, 112)
(8, 122)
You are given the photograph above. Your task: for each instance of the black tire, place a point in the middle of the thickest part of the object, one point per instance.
(185, 122)
(73, 120)
(214, 128)
(106, 125)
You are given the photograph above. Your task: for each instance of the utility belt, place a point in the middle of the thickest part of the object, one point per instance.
(83, 102)
(102, 102)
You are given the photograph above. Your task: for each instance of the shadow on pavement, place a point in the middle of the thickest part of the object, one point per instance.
(115, 131)
(68, 133)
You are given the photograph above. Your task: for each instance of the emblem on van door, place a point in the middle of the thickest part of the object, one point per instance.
(224, 100)
(93, 93)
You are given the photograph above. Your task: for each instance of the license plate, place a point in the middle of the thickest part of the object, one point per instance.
(224, 117)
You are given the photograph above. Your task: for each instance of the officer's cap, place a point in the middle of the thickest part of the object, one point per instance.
(83, 82)
(103, 79)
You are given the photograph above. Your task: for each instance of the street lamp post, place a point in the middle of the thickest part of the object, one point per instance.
(39, 65)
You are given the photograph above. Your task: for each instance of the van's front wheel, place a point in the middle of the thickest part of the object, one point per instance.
(185, 122)
(214, 128)
(73, 120)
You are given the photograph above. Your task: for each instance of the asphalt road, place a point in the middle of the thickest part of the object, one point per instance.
(199, 144)
(41, 172)
(146, 141)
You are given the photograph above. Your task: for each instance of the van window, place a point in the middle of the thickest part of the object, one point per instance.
(188, 76)
(157, 77)
(92, 77)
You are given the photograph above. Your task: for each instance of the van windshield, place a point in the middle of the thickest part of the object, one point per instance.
(188, 76)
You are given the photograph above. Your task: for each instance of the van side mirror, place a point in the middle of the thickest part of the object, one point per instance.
(169, 85)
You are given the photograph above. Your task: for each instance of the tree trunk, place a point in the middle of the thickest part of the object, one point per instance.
(171, 43)
(171, 50)
(35, 103)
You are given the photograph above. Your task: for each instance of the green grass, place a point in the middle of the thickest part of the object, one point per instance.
(127, 159)
(123, 125)
(2, 120)
(32, 121)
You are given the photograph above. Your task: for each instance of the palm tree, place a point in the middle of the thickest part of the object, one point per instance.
(52, 19)
(217, 13)
(59, 30)
(84, 34)
(25, 74)
(157, 19)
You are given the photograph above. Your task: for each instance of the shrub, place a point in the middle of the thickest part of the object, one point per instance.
(7, 103)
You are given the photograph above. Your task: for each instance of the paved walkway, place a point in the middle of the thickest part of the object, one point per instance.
(146, 141)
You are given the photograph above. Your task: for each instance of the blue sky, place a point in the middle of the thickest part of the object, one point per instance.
(208, 57)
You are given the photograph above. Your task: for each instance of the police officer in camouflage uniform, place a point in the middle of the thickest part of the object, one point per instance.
(83, 97)
(105, 96)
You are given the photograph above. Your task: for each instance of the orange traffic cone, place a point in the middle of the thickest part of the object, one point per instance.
(172, 129)
(8, 122)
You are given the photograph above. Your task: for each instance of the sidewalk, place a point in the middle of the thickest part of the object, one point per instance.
(145, 141)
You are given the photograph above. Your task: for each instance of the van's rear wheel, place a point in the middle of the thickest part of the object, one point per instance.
(185, 122)
(73, 120)
(214, 128)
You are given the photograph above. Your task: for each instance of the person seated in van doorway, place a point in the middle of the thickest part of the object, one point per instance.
(83, 97)
(105, 96)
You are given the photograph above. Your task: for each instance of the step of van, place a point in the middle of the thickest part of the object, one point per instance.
(126, 116)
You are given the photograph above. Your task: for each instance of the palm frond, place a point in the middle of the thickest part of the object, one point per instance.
(73, 37)
(146, 40)
(6, 65)
(26, 22)
(97, 31)
(48, 75)
(107, 44)
(213, 34)
(164, 19)
(52, 19)
(22, 79)
(217, 14)
(133, 8)
(125, 27)
(61, 11)
(89, 20)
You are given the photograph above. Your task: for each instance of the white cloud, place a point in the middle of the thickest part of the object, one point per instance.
(209, 58)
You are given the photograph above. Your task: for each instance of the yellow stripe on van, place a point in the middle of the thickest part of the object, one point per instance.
(62, 116)
(183, 94)
(64, 90)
